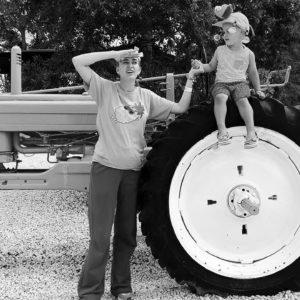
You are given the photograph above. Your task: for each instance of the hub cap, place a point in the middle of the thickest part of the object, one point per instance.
(243, 201)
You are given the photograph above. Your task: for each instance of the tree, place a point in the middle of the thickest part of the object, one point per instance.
(169, 32)
(14, 22)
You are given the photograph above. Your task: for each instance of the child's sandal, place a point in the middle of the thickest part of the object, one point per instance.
(251, 142)
(224, 138)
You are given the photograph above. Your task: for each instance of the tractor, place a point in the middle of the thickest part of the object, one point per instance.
(221, 219)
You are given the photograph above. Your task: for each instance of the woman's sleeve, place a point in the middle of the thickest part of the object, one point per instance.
(160, 108)
(96, 87)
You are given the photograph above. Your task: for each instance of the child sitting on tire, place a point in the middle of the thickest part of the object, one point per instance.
(232, 61)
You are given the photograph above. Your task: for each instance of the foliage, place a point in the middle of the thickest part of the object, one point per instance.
(54, 69)
(169, 32)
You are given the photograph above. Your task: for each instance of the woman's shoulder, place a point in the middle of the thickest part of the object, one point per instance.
(145, 91)
(100, 78)
(148, 95)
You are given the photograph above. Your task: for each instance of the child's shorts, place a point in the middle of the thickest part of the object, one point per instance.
(237, 89)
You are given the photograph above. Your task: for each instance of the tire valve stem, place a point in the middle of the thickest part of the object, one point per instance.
(210, 202)
(240, 170)
(244, 229)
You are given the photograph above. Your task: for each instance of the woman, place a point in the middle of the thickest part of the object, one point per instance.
(123, 109)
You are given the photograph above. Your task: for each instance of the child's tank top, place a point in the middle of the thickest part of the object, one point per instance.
(232, 65)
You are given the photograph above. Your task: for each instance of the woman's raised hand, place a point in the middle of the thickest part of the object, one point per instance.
(128, 53)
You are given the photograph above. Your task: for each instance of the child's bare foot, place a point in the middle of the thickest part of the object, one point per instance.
(223, 137)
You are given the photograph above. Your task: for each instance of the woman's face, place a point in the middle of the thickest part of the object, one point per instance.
(129, 67)
(232, 35)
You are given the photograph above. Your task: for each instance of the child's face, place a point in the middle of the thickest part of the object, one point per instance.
(232, 35)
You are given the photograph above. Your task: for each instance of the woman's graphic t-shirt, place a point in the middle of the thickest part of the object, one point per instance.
(121, 121)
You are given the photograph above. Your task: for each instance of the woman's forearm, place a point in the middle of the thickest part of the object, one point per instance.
(184, 103)
(82, 62)
(185, 100)
(90, 58)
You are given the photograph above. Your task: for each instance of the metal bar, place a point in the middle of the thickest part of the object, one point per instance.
(152, 79)
(157, 78)
(73, 175)
(272, 85)
(45, 97)
(170, 87)
(6, 147)
(161, 77)
(77, 87)
(31, 150)
(68, 88)
(16, 72)
(286, 79)
(73, 149)
(180, 75)
(170, 92)
(60, 89)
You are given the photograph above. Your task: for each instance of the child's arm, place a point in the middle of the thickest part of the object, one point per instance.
(206, 68)
(212, 65)
(253, 75)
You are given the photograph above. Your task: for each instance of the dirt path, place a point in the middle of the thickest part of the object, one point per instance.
(44, 236)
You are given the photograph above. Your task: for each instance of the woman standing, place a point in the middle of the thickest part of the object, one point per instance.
(123, 109)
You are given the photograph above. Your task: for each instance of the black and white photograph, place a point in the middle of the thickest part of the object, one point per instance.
(149, 150)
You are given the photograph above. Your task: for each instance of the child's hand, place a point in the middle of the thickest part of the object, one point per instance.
(197, 65)
(260, 94)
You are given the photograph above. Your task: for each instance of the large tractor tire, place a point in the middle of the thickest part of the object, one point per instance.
(226, 219)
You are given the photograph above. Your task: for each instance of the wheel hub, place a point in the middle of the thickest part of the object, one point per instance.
(243, 201)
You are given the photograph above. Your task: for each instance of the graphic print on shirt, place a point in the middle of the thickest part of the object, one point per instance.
(127, 113)
(129, 107)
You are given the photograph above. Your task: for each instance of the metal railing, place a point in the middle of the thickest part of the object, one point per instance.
(286, 79)
(168, 79)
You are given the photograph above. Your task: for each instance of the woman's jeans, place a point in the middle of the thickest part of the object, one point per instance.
(112, 198)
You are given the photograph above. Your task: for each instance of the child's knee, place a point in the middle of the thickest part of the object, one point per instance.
(220, 98)
(242, 102)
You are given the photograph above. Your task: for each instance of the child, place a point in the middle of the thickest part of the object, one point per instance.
(232, 61)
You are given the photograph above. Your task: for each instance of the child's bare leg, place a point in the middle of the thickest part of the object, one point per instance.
(220, 110)
(246, 113)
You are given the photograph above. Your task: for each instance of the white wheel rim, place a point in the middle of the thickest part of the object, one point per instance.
(209, 230)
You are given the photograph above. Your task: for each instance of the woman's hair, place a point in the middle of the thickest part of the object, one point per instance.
(117, 63)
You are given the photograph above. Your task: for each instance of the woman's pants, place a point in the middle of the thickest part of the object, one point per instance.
(112, 198)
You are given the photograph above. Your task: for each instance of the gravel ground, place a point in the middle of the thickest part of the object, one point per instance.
(44, 236)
